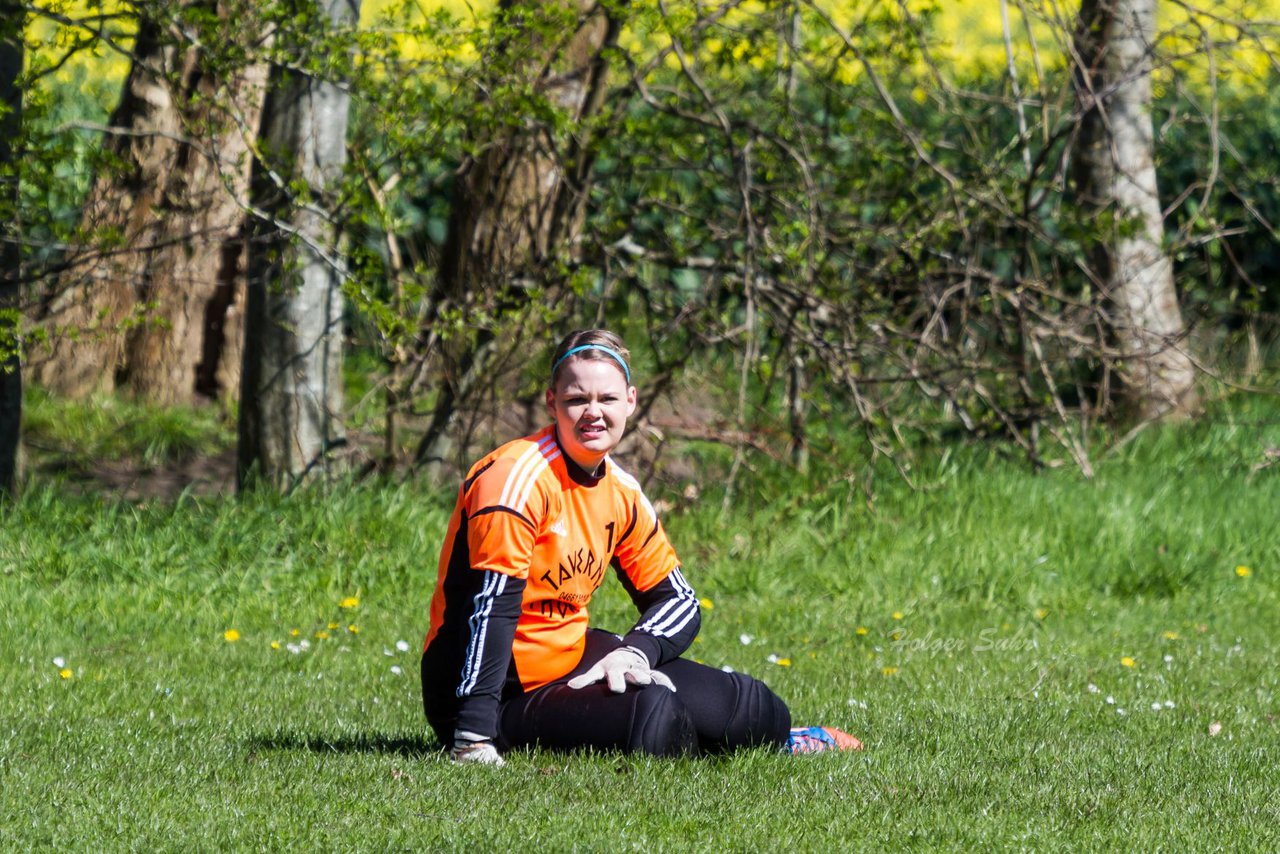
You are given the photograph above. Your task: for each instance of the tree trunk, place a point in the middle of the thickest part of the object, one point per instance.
(524, 192)
(291, 388)
(1115, 173)
(521, 199)
(136, 313)
(11, 49)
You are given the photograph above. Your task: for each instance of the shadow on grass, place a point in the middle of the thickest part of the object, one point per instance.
(412, 747)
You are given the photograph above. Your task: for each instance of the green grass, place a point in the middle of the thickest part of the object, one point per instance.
(1017, 592)
(69, 434)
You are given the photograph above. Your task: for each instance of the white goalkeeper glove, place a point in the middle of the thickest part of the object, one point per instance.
(623, 666)
(471, 747)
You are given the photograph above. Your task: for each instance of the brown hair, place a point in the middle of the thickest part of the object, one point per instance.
(593, 338)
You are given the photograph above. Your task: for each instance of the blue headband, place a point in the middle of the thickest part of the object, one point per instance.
(617, 357)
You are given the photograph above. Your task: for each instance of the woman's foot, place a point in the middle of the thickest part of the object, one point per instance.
(816, 739)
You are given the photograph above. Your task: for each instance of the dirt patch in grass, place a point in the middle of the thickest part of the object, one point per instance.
(205, 475)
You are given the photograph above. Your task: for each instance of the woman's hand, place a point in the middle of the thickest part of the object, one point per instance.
(623, 666)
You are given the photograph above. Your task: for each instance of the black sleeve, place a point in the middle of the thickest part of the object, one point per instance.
(669, 617)
(495, 609)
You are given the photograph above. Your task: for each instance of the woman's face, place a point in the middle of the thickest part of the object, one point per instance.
(590, 404)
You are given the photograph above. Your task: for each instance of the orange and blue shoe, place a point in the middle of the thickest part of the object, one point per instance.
(816, 739)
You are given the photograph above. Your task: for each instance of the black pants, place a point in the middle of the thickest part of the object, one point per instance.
(710, 712)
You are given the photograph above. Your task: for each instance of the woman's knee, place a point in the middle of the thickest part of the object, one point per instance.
(759, 717)
(661, 724)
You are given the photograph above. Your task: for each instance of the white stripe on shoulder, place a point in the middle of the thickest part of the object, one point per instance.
(625, 478)
(547, 459)
(531, 461)
(529, 476)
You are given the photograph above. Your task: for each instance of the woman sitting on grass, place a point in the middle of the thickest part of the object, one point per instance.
(509, 659)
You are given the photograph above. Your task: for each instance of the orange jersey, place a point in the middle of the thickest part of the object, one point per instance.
(526, 512)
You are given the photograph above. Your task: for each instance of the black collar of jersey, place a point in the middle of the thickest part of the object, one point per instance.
(577, 473)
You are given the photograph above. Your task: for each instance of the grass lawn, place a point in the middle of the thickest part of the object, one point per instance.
(1033, 660)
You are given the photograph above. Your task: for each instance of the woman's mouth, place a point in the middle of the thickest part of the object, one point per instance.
(592, 431)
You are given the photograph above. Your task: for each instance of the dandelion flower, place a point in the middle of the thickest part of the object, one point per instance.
(1041, 613)
(322, 635)
(889, 671)
(1243, 571)
(860, 630)
(354, 629)
(403, 646)
(349, 602)
(231, 635)
(706, 603)
(293, 633)
(1170, 635)
(275, 644)
(66, 673)
(332, 626)
(783, 662)
(897, 615)
(1128, 662)
(896, 636)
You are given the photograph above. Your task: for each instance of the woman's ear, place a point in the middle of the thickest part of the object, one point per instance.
(550, 398)
(632, 397)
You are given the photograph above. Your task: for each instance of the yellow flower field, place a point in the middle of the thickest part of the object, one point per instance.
(1238, 39)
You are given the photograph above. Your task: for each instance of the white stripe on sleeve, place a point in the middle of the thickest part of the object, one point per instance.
(676, 614)
(494, 584)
